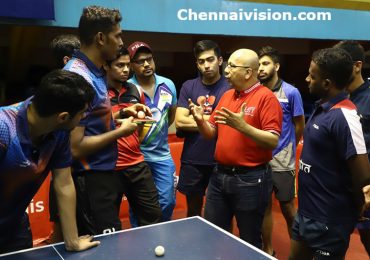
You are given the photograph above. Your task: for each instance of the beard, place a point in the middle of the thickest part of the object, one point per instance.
(266, 79)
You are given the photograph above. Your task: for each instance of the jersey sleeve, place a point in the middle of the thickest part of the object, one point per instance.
(297, 104)
(4, 139)
(271, 115)
(184, 96)
(62, 156)
(347, 131)
(172, 87)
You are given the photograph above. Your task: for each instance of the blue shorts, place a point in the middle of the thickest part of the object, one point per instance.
(326, 241)
(194, 178)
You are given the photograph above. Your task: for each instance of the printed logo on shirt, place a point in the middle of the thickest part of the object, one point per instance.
(25, 164)
(165, 100)
(322, 252)
(249, 111)
(206, 102)
(304, 166)
(316, 126)
(165, 96)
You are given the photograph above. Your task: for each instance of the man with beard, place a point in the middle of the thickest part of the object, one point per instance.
(134, 173)
(334, 171)
(93, 141)
(283, 161)
(160, 97)
(197, 158)
(34, 139)
(359, 94)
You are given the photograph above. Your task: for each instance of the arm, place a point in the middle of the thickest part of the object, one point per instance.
(298, 122)
(185, 121)
(82, 146)
(205, 129)
(360, 173)
(66, 199)
(263, 138)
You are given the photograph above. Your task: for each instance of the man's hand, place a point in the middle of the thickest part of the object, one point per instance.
(83, 243)
(132, 111)
(128, 126)
(366, 191)
(234, 120)
(196, 111)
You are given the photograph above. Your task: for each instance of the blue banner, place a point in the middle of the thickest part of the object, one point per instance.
(223, 17)
(31, 9)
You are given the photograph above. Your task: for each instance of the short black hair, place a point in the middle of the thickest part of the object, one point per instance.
(354, 49)
(206, 45)
(62, 91)
(64, 45)
(122, 52)
(271, 52)
(96, 19)
(334, 64)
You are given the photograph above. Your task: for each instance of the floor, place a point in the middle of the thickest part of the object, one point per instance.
(281, 239)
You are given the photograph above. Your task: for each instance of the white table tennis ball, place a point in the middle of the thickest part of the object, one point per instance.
(159, 251)
(141, 114)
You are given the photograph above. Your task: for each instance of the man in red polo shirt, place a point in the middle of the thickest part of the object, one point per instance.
(247, 123)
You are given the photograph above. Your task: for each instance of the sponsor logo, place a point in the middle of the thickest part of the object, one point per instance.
(109, 230)
(315, 126)
(304, 166)
(323, 253)
(249, 111)
(35, 207)
(25, 164)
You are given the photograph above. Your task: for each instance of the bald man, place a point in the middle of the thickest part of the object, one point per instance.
(247, 124)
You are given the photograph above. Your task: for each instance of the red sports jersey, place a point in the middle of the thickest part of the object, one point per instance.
(262, 111)
(129, 152)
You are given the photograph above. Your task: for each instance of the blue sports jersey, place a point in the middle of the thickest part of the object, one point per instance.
(332, 135)
(198, 150)
(292, 106)
(24, 167)
(154, 144)
(98, 119)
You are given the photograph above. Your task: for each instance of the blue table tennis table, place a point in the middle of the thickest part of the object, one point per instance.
(191, 239)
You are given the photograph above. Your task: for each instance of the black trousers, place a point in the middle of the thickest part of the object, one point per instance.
(138, 185)
(98, 200)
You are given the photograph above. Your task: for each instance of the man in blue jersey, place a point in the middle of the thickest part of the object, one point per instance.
(334, 166)
(283, 161)
(160, 97)
(359, 94)
(93, 141)
(197, 158)
(34, 139)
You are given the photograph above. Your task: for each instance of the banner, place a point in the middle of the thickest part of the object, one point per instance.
(31, 9)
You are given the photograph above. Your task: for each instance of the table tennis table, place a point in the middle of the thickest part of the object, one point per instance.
(190, 238)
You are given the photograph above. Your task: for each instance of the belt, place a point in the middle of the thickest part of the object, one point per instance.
(227, 169)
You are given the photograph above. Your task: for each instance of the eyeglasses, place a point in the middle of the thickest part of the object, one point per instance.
(142, 61)
(232, 66)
